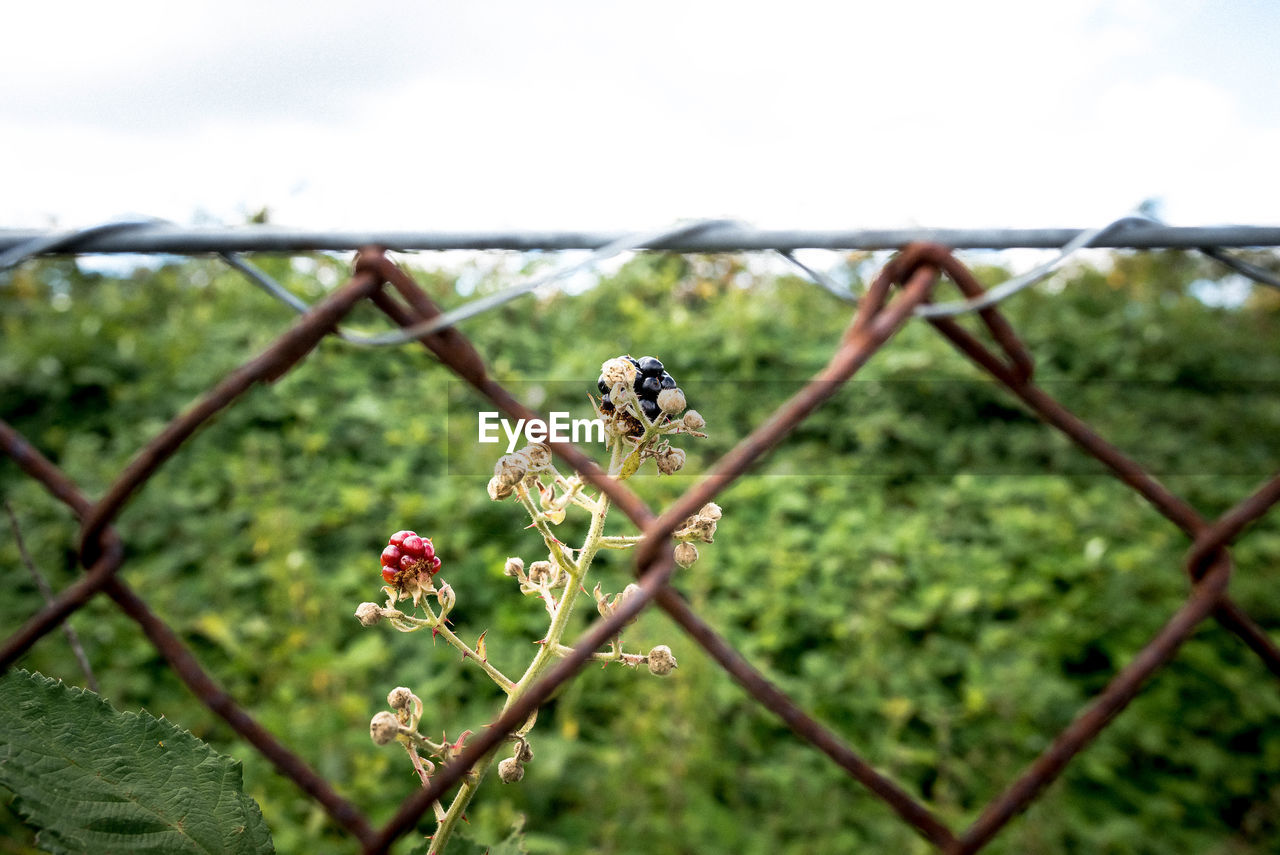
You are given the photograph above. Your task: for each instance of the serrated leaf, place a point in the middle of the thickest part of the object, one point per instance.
(463, 843)
(514, 843)
(96, 780)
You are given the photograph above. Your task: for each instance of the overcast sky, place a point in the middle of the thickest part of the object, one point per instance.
(603, 115)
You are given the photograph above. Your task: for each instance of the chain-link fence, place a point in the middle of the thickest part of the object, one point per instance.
(901, 291)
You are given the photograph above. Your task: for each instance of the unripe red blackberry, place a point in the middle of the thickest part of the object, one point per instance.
(407, 552)
(414, 545)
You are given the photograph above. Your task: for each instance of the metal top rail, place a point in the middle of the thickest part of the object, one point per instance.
(134, 237)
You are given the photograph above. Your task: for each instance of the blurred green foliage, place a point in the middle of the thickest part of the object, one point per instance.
(922, 565)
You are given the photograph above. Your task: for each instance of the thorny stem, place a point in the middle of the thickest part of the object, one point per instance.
(548, 650)
(554, 546)
(614, 655)
(409, 623)
(621, 541)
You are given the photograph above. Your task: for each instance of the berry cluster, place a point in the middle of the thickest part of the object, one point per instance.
(651, 379)
(406, 552)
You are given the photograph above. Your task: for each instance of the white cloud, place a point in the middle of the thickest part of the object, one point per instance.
(605, 116)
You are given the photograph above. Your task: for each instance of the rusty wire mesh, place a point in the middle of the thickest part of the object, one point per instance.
(880, 314)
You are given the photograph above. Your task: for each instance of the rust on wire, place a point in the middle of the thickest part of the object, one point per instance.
(880, 314)
(1122, 689)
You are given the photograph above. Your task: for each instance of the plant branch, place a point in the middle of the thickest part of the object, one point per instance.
(409, 623)
(615, 655)
(554, 546)
(547, 651)
(621, 541)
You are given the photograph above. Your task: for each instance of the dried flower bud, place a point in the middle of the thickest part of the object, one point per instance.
(511, 468)
(603, 605)
(661, 661)
(671, 462)
(498, 489)
(618, 371)
(399, 698)
(711, 511)
(539, 572)
(384, 728)
(671, 401)
(697, 526)
(510, 770)
(686, 554)
(538, 456)
(446, 598)
(693, 420)
(514, 567)
(369, 614)
(628, 593)
(524, 752)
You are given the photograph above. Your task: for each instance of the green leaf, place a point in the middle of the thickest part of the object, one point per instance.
(464, 844)
(514, 844)
(94, 779)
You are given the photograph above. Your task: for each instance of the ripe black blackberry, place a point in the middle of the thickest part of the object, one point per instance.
(651, 379)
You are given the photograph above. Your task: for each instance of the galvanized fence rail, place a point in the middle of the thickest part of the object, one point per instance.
(902, 291)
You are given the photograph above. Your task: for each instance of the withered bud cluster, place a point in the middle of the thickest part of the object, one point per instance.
(607, 605)
(619, 373)
(511, 769)
(512, 468)
(538, 575)
(701, 526)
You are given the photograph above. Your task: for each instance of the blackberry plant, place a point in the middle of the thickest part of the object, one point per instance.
(641, 406)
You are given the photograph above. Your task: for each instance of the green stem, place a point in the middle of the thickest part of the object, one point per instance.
(552, 542)
(409, 623)
(615, 655)
(621, 541)
(547, 651)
